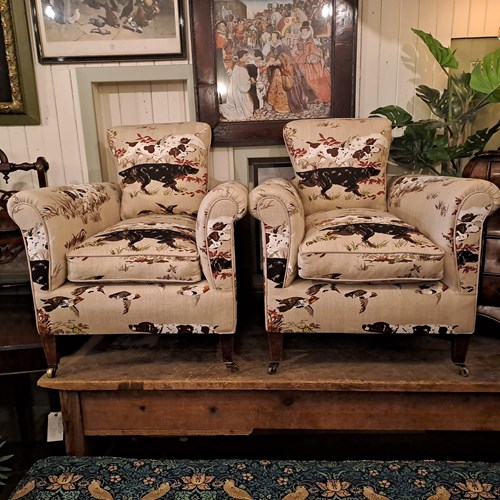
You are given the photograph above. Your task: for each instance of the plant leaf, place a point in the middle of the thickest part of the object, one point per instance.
(475, 142)
(420, 147)
(485, 76)
(399, 117)
(437, 102)
(443, 55)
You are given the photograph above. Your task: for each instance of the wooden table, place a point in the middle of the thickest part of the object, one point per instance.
(174, 385)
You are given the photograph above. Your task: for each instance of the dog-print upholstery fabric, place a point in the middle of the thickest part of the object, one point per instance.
(448, 212)
(162, 169)
(366, 245)
(339, 163)
(155, 248)
(54, 220)
(276, 203)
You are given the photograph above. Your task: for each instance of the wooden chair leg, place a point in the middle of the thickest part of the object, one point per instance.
(459, 347)
(276, 351)
(51, 354)
(227, 348)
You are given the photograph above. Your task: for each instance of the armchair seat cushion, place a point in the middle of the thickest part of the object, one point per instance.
(152, 248)
(366, 245)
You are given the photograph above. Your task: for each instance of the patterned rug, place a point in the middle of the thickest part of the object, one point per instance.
(108, 478)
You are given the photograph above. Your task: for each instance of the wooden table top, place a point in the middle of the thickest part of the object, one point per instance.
(313, 362)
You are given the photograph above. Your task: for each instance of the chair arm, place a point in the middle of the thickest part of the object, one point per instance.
(55, 219)
(451, 212)
(279, 208)
(219, 210)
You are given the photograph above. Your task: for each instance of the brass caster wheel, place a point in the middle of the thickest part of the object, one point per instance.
(273, 367)
(463, 370)
(232, 366)
(51, 371)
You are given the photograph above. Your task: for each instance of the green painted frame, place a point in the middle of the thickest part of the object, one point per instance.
(15, 52)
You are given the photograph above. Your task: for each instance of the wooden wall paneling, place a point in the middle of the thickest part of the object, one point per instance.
(461, 18)
(221, 165)
(66, 119)
(492, 18)
(176, 102)
(50, 125)
(477, 16)
(443, 33)
(369, 22)
(407, 55)
(425, 64)
(160, 92)
(389, 51)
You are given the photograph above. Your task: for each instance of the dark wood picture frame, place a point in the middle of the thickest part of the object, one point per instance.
(107, 44)
(19, 99)
(257, 133)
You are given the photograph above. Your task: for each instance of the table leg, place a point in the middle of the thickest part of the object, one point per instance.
(74, 437)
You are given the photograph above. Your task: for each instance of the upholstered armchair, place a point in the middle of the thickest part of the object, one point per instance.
(345, 251)
(152, 254)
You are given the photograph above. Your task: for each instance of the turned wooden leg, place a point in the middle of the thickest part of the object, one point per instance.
(459, 346)
(51, 354)
(227, 347)
(276, 350)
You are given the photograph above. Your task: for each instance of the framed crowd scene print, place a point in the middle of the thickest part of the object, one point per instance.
(259, 64)
(108, 30)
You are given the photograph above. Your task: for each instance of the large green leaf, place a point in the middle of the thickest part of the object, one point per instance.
(399, 117)
(443, 55)
(485, 77)
(437, 102)
(475, 142)
(420, 147)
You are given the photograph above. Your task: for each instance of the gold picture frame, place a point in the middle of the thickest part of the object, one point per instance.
(18, 95)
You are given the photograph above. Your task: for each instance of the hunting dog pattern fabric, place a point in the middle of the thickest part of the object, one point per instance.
(93, 272)
(161, 169)
(399, 260)
(339, 163)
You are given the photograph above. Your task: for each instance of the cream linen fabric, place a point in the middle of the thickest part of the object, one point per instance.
(360, 245)
(154, 248)
(450, 212)
(339, 163)
(162, 168)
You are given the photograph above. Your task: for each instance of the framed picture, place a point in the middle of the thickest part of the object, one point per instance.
(108, 30)
(259, 64)
(18, 97)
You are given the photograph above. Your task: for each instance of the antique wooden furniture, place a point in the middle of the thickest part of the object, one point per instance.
(345, 253)
(487, 166)
(153, 254)
(21, 352)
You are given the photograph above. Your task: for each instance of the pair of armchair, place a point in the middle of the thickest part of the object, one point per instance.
(344, 250)
(153, 253)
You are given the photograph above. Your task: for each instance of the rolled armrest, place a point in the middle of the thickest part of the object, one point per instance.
(451, 212)
(279, 208)
(55, 219)
(219, 210)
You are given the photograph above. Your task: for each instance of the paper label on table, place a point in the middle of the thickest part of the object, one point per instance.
(55, 430)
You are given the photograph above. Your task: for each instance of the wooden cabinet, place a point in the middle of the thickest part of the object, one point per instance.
(487, 166)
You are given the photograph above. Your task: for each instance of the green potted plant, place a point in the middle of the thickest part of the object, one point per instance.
(4, 470)
(442, 143)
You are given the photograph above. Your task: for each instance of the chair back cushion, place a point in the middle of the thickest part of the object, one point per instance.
(366, 245)
(151, 248)
(162, 168)
(339, 163)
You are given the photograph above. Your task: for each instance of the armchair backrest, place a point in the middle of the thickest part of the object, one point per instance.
(162, 168)
(339, 162)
